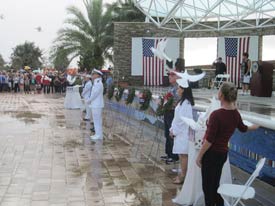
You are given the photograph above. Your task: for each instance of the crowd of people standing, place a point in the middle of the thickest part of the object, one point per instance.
(31, 83)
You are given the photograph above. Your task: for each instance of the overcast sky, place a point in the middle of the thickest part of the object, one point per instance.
(21, 17)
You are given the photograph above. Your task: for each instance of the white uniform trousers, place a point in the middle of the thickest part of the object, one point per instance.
(88, 111)
(97, 117)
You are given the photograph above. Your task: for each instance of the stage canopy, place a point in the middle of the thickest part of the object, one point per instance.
(209, 15)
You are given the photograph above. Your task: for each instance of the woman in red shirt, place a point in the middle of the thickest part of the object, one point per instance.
(213, 154)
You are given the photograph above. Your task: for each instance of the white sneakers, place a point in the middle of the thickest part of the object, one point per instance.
(245, 93)
(96, 137)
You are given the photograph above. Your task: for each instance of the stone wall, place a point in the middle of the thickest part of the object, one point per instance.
(124, 31)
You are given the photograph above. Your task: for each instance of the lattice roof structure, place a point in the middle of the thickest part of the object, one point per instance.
(209, 15)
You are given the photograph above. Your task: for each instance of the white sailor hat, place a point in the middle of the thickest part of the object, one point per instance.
(95, 71)
(183, 82)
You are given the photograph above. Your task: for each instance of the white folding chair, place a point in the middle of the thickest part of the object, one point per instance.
(219, 79)
(239, 192)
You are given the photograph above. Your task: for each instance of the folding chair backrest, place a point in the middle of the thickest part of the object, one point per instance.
(256, 173)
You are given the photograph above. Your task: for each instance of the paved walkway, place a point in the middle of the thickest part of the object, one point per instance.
(47, 158)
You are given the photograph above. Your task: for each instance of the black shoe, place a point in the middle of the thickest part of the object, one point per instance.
(165, 157)
(169, 161)
(86, 119)
(92, 129)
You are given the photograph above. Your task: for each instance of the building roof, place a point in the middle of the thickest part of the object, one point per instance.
(209, 15)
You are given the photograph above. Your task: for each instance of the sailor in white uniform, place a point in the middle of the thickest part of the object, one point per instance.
(86, 94)
(97, 103)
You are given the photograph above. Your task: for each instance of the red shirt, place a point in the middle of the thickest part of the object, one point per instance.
(220, 127)
(38, 79)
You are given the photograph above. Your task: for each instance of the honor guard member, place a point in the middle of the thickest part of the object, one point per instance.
(97, 103)
(86, 93)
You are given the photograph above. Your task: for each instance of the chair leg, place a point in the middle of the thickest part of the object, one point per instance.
(225, 201)
(242, 203)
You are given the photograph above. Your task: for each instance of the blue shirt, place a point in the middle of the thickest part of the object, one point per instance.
(109, 81)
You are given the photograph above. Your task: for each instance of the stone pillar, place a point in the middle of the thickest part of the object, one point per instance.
(260, 47)
(181, 48)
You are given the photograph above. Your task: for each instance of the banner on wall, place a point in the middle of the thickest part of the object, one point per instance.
(145, 64)
(231, 50)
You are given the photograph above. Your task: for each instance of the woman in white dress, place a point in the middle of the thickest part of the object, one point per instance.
(179, 130)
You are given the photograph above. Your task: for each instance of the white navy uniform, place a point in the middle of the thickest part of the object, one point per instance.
(96, 104)
(87, 90)
(180, 129)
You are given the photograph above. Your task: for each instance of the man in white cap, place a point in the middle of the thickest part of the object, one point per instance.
(86, 94)
(168, 118)
(97, 103)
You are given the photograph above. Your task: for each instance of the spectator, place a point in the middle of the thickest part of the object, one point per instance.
(220, 67)
(16, 83)
(21, 83)
(245, 69)
(26, 84)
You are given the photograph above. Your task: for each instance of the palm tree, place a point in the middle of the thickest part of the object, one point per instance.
(126, 11)
(88, 35)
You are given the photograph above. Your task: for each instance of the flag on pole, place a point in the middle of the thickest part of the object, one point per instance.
(234, 49)
(153, 67)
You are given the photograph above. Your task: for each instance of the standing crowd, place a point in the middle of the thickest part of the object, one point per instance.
(245, 71)
(33, 82)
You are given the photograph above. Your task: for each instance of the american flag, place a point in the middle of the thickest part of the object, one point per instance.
(234, 49)
(153, 67)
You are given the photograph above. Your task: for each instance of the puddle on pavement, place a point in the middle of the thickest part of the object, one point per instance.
(33, 102)
(25, 116)
(60, 116)
(144, 193)
(81, 170)
(29, 115)
(72, 144)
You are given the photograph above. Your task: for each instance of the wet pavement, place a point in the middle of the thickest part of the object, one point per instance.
(47, 158)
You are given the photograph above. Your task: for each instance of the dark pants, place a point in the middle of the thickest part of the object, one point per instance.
(57, 89)
(168, 118)
(27, 88)
(16, 87)
(212, 164)
(52, 88)
(46, 89)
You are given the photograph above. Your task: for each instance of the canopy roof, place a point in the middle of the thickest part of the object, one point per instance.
(209, 15)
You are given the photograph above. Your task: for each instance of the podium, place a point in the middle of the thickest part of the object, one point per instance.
(72, 98)
(262, 79)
